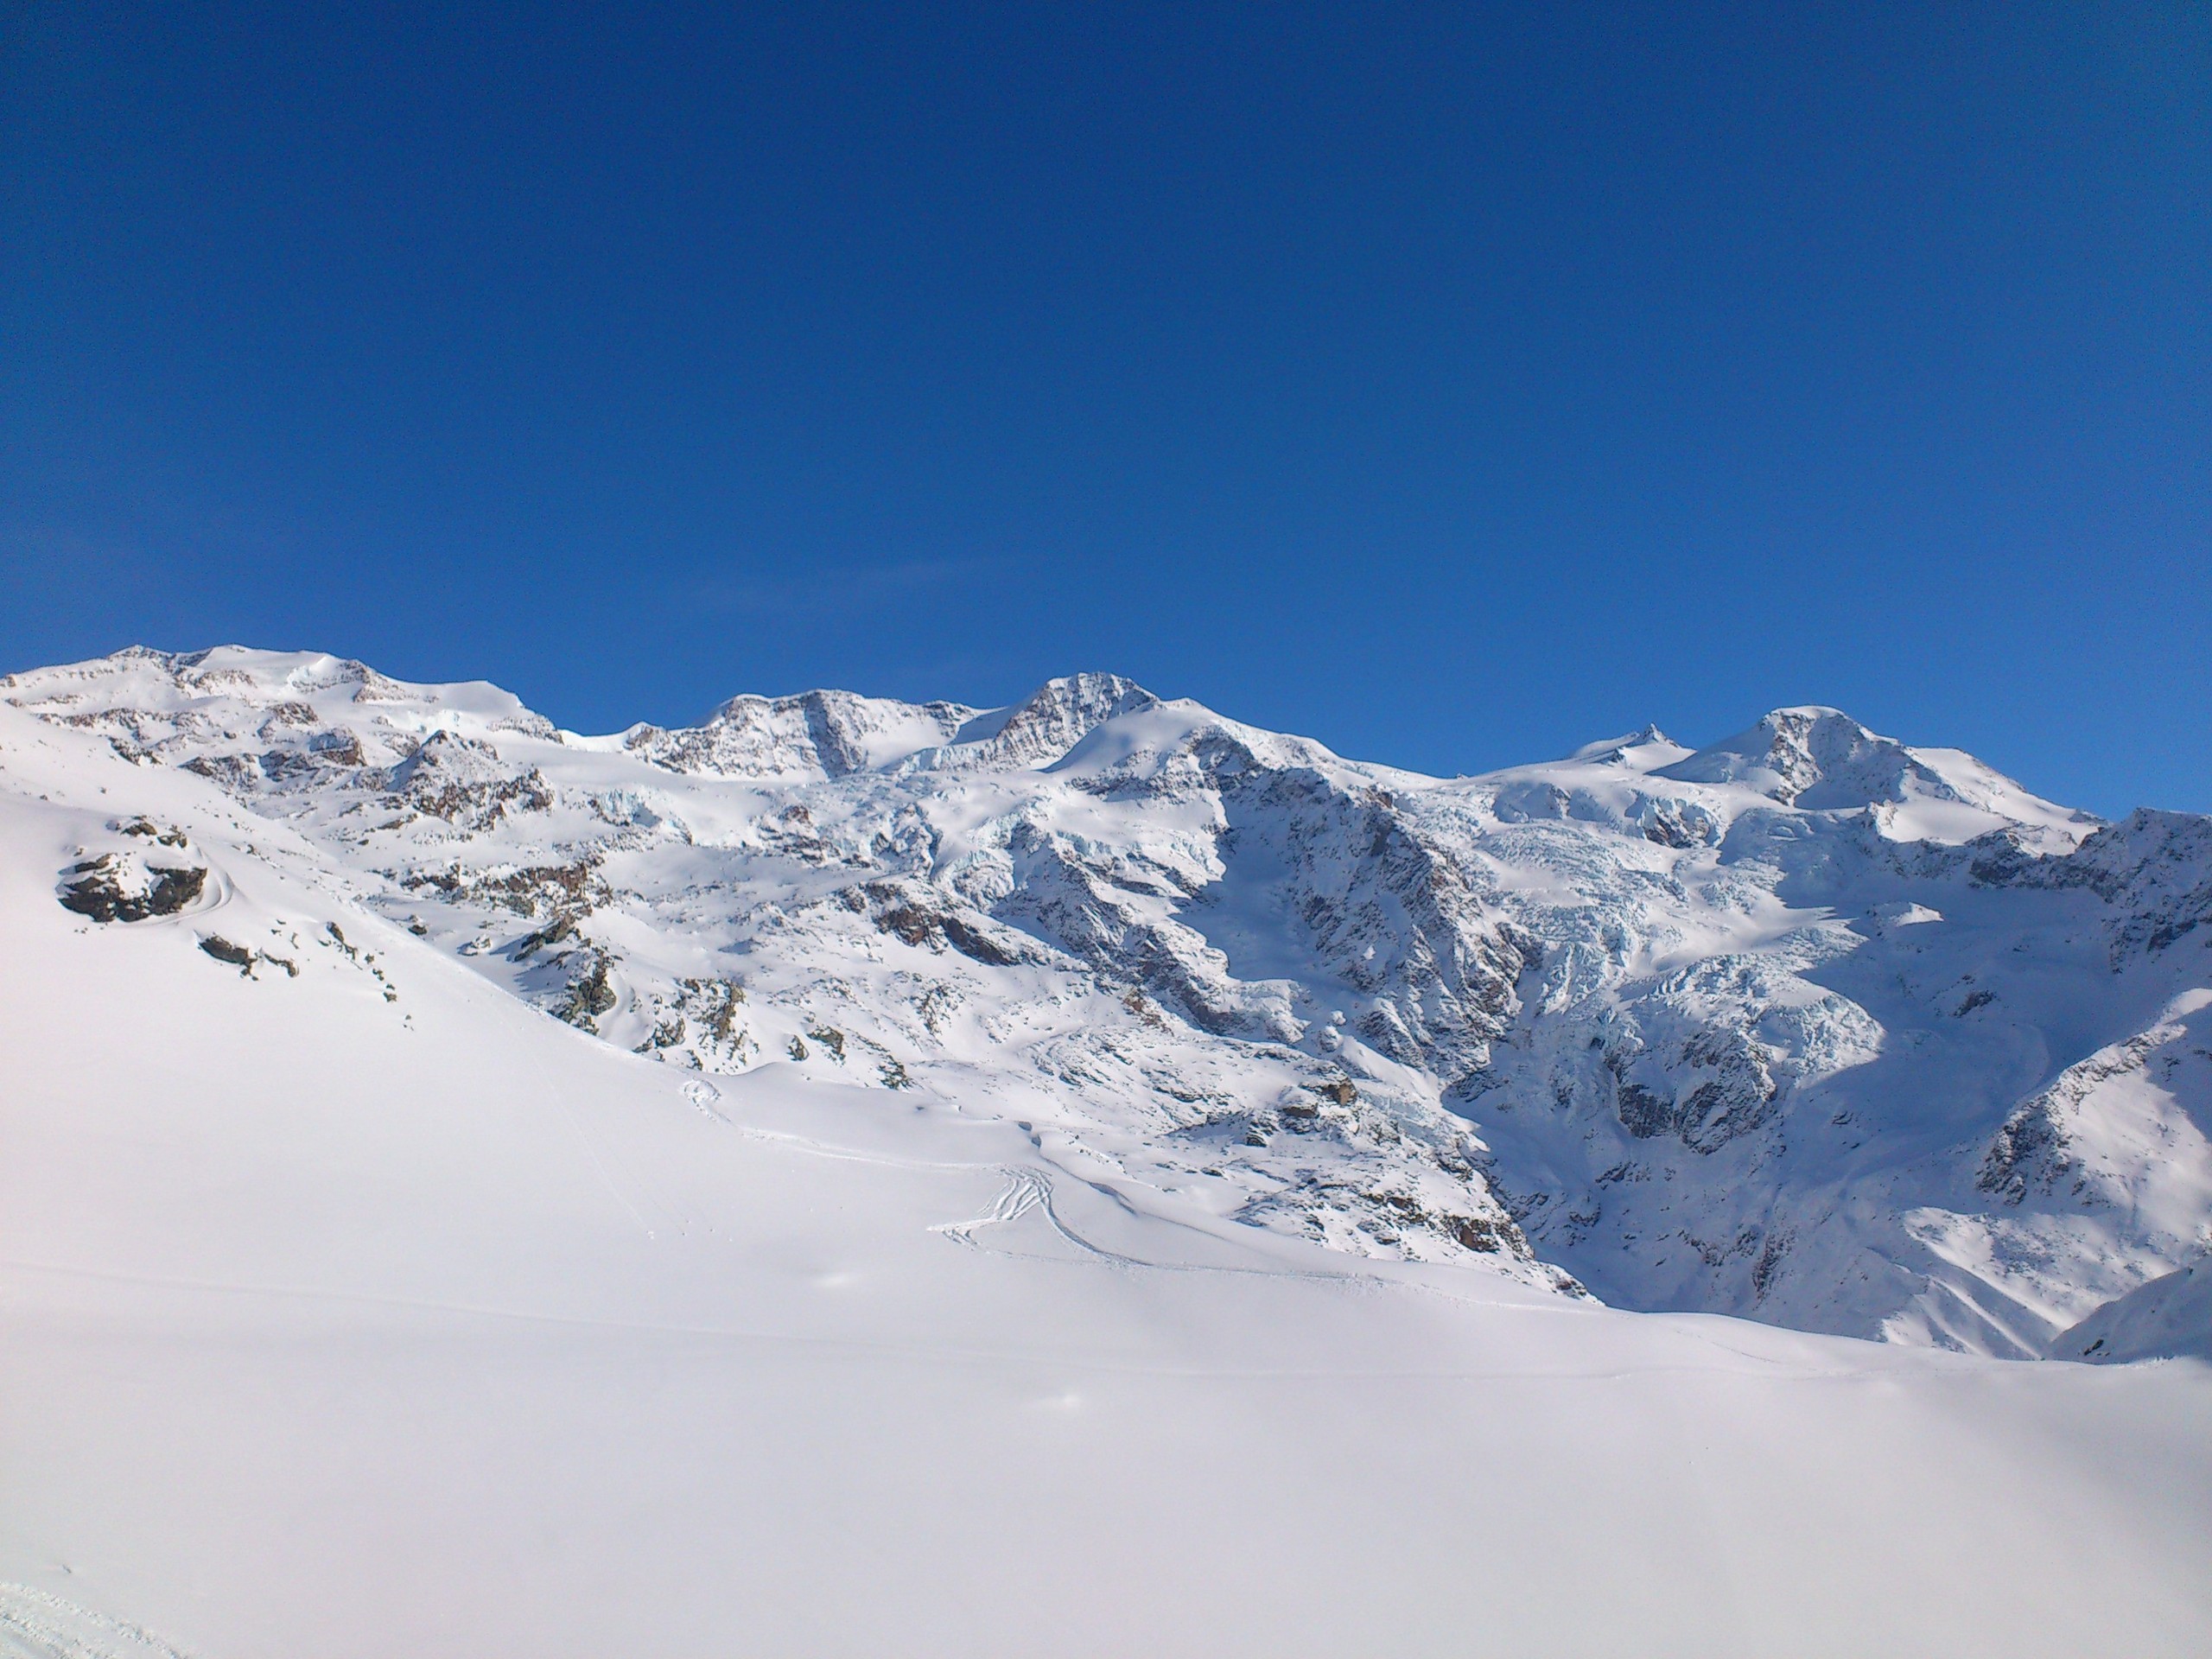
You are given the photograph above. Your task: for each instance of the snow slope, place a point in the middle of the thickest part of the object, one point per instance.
(354, 1307)
(1808, 1026)
(2170, 1316)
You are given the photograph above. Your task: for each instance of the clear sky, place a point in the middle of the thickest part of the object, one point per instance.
(1452, 384)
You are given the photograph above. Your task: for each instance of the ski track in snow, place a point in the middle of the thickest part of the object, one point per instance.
(1026, 1190)
(36, 1623)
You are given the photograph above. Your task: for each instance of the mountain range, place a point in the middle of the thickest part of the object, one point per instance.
(1806, 1025)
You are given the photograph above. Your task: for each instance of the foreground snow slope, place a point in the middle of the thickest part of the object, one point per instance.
(348, 1304)
(1808, 1025)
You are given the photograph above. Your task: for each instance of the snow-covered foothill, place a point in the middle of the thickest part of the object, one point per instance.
(2169, 1317)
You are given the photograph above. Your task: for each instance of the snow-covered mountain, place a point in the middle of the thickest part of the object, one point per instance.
(1088, 1177)
(1808, 1026)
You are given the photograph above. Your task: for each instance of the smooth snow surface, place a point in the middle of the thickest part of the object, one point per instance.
(354, 1307)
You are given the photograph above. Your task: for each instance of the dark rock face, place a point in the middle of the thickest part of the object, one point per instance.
(1738, 1098)
(918, 913)
(590, 994)
(105, 891)
(465, 783)
(1678, 824)
(1643, 1112)
(223, 950)
(143, 828)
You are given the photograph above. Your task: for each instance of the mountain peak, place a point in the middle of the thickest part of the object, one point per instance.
(1819, 759)
(1813, 757)
(1647, 748)
(1054, 718)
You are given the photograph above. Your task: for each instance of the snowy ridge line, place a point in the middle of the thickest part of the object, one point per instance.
(1736, 1029)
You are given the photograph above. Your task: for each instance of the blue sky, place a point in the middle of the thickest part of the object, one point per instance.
(1454, 385)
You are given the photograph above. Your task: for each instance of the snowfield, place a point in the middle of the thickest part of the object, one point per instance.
(1086, 1178)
